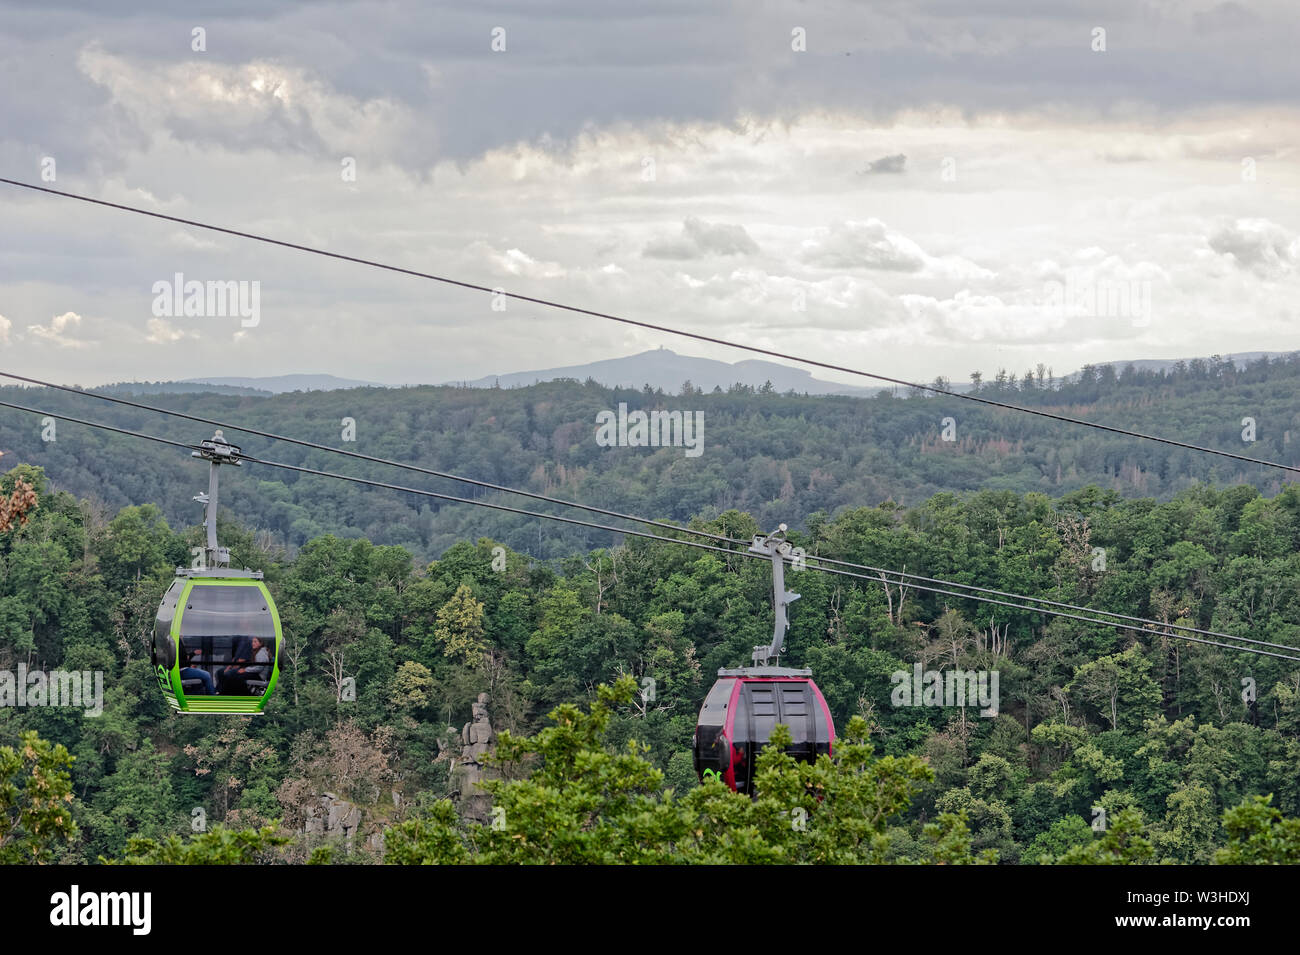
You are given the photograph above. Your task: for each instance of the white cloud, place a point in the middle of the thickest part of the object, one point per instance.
(5, 325)
(59, 332)
(873, 245)
(899, 259)
(863, 245)
(163, 332)
(969, 318)
(517, 262)
(189, 240)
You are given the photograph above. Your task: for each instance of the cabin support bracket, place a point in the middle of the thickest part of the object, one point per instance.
(775, 547)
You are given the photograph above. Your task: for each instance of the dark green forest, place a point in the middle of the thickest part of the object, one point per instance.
(1152, 730)
(779, 458)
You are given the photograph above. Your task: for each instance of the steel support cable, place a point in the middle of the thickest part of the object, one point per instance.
(366, 457)
(97, 424)
(724, 550)
(1051, 603)
(1147, 628)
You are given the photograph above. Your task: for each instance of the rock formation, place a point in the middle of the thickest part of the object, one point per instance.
(332, 816)
(476, 738)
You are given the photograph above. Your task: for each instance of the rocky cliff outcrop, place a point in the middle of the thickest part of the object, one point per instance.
(477, 738)
(332, 816)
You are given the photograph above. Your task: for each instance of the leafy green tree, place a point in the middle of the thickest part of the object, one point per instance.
(1121, 677)
(549, 648)
(1258, 835)
(1190, 825)
(136, 800)
(412, 687)
(1064, 835)
(588, 804)
(990, 818)
(434, 840)
(217, 846)
(1124, 842)
(460, 627)
(137, 543)
(35, 793)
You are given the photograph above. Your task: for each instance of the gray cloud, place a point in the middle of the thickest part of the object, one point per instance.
(885, 164)
(572, 65)
(1257, 244)
(700, 238)
(522, 169)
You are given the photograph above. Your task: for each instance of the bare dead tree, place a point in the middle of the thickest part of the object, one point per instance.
(895, 618)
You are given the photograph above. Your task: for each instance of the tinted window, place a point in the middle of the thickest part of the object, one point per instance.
(218, 625)
(216, 610)
(763, 709)
(714, 711)
(795, 710)
(164, 650)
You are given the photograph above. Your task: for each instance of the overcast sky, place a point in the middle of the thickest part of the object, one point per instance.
(927, 188)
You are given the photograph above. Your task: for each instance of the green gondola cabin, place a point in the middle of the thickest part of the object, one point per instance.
(216, 645)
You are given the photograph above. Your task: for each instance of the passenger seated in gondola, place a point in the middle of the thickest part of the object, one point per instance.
(239, 657)
(261, 670)
(235, 679)
(194, 672)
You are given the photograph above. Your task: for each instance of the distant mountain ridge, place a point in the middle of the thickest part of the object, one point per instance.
(664, 368)
(279, 384)
(1241, 359)
(179, 388)
(661, 368)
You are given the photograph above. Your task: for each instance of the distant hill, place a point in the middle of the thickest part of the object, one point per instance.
(1240, 359)
(664, 369)
(179, 388)
(780, 458)
(280, 384)
(661, 368)
(667, 370)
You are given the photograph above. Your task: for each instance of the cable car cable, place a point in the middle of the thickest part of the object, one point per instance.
(1108, 623)
(631, 517)
(687, 543)
(1053, 603)
(754, 349)
(610, 513)
(366, 457)
(96, 424)
(619, 530)
(696, 544)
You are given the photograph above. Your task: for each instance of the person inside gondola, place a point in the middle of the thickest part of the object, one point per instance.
(195, 672)
(235, 678)
(239, 658)
(261, 668)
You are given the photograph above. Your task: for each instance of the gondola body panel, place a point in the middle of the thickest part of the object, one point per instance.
(208, 626)
(742, 709)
